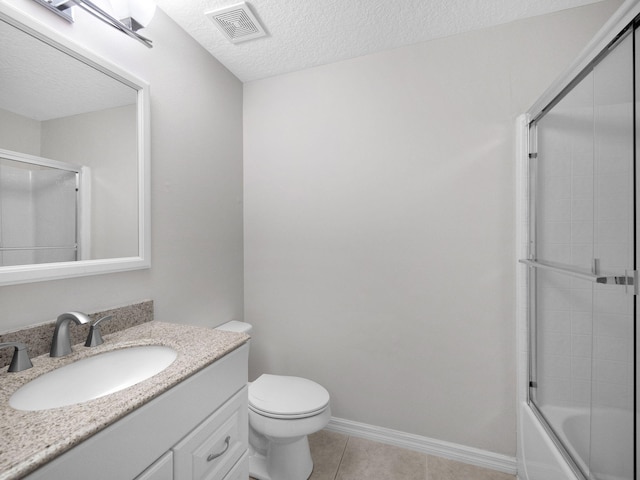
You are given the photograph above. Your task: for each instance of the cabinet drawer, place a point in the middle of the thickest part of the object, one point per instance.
(210, 451)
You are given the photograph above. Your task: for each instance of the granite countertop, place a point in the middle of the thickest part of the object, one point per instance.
(31, 439)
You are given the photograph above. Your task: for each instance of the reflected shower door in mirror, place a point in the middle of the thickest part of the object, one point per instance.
(41, 206)
(62, 106)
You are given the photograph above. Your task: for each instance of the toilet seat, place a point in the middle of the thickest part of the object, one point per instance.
(284, 397)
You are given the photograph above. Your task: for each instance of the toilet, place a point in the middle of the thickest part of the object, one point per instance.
(283, 411)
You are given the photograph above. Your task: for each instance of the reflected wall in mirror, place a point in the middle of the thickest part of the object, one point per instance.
(73, 159)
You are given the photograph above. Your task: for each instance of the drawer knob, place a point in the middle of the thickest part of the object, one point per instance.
(213, 456)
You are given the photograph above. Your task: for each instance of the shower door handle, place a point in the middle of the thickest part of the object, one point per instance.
(629, 279)
(614, 280)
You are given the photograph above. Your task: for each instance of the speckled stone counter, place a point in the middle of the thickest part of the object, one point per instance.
(31, 439)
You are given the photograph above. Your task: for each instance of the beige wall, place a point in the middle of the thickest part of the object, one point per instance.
(196, 186)
(379, 225)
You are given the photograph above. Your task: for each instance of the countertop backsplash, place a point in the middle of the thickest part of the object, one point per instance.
(38, 337)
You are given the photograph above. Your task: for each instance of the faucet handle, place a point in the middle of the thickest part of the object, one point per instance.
(95, 336)
(20, 360)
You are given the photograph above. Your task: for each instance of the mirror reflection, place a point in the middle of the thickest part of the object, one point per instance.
(39, 208)
(68, 157)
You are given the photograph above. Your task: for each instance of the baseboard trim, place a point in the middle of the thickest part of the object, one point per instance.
(452, 451)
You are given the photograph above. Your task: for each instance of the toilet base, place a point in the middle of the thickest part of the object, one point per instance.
(290, 460)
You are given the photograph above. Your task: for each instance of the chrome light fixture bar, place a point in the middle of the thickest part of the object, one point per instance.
(63, 8)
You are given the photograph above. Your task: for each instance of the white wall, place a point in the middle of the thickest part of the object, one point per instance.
(379, 225)
(196, 186)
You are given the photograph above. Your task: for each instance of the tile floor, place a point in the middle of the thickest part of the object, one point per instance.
(341, 457)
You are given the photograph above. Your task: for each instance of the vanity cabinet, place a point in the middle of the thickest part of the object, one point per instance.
(197, 430)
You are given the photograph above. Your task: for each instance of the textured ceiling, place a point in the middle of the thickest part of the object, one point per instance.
(306, 33)
(41, 83)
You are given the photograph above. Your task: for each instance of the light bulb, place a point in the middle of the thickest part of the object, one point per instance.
(120, 8)
(141, 11)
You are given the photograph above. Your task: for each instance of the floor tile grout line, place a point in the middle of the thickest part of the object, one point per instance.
(426, 465)
(335, 477)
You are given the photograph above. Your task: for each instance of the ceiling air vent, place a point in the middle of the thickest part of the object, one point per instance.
(237, 23)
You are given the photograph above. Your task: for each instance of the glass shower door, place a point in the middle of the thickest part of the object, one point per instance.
(612, 385)
(583, 258)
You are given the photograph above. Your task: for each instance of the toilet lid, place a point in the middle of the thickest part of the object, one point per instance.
(281, 396)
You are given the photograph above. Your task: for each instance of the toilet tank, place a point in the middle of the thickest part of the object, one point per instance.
(236, 326)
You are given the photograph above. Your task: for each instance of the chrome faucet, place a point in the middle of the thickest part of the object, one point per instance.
(61, 343)
(95, 336)
(20, 360)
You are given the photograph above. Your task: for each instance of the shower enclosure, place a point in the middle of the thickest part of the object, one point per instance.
(581, 282)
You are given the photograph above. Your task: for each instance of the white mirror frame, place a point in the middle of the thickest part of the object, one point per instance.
(52, 271)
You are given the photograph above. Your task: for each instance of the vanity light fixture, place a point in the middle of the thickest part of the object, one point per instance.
(128, 16)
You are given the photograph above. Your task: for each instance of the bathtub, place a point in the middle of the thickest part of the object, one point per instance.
(540, 459)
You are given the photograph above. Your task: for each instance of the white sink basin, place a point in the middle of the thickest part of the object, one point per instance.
(93, 377)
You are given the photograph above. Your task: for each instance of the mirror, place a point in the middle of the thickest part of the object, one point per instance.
(74, 160)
